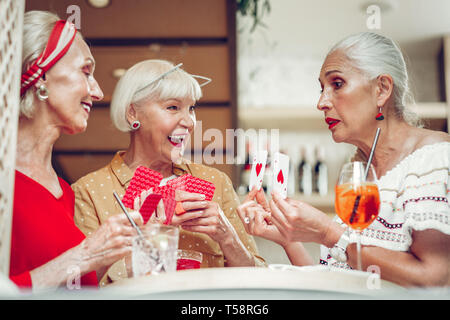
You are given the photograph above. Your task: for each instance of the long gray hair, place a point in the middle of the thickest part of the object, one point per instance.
(374, 54)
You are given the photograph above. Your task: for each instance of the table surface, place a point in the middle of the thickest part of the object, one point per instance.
(275, 282)
(278, 282)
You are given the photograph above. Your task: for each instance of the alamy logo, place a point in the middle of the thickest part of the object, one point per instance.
(74, 279)
(75, 15)
(373, 21)
(230, 148)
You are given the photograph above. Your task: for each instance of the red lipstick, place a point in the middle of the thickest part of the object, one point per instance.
(331, 122)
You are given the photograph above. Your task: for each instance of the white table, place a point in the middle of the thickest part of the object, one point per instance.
(276, 282)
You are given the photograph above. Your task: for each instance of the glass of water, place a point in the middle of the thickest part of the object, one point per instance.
(155, 251)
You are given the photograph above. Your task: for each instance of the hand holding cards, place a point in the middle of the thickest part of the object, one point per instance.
(191, 184)
(145, 178)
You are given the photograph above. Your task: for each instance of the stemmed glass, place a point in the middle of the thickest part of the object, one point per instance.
(357, 198)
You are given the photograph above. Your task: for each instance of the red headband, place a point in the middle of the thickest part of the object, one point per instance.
(61, 38)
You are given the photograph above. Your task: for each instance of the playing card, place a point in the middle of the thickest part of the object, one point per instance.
(168, 196)
(178, 183)
(149, 206)
(258, 168)
(197, 185)
(143, 179)
(192, 184)
(169, 207)
(280, 174)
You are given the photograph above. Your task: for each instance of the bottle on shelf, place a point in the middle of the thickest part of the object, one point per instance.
(320, 178)
(304, 173)
(267, 179)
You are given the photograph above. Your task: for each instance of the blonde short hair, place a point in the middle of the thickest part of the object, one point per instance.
(175, 85)
(37, 27)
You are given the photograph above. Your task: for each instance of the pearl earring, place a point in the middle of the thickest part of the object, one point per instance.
(42, 93)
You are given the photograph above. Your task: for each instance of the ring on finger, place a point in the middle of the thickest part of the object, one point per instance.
(247, 220)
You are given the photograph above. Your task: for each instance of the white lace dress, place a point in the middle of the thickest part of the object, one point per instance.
(414, 196)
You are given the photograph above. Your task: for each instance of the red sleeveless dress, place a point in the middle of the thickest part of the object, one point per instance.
(42, 229)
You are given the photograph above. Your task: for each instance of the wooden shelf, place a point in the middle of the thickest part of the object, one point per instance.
(431, 110)
(286, 118)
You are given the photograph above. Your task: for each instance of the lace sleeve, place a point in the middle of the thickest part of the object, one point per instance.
(425, 198)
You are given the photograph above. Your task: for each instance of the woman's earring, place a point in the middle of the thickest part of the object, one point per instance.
(379, 115)
(42, 93)
(135, 125)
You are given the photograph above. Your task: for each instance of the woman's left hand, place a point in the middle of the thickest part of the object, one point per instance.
(202, 216)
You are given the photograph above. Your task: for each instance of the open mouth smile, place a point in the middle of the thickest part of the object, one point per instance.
(86, 106)
(176, 140)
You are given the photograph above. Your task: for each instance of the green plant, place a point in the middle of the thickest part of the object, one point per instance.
(255, 8)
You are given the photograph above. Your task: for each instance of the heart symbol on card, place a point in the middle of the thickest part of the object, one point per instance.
(280, 177)
(258, 168)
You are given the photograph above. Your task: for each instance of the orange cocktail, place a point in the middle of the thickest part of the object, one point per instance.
(357, 205)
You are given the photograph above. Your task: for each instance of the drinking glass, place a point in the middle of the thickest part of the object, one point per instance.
(357, 199)
(188, 259)
(155, 251)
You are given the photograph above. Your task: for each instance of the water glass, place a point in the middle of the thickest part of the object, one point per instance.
(155, 251)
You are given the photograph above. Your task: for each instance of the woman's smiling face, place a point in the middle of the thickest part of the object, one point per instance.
(72, 87)
(166, 126)
(348, 98)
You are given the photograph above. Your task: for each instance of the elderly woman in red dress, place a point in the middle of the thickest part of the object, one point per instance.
(57, 92)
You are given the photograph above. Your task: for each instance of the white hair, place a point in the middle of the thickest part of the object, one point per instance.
(374, 54)
(175, 85)
(37, 27)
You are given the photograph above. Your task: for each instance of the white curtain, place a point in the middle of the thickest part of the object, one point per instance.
(11, 24)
